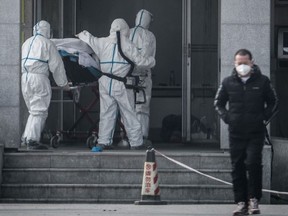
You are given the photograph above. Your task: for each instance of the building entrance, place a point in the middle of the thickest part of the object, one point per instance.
(185, 77)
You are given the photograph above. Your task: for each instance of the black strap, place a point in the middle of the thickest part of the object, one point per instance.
(132, 65)
(112, 76)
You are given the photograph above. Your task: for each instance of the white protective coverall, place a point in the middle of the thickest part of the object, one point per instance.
(113, 93)
(145, 41)
(39, 56)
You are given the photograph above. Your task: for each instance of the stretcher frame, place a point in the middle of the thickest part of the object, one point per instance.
(85, 111)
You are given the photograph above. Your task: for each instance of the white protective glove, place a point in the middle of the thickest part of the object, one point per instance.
(66, 87)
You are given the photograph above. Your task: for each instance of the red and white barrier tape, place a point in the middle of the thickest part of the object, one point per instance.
(211, 177)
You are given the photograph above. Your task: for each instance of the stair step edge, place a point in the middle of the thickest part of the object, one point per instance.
(113, 185)
(128, 201)
(107, 170)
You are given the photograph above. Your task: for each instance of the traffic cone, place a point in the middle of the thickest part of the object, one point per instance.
(150, 193)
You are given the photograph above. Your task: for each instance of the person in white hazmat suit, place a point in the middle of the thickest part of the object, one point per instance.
(39, 56)
(113, 93)
(145, 41)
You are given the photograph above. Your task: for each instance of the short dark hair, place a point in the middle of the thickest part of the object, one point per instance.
(244, 52)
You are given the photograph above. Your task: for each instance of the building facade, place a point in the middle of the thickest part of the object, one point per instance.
(195, 39)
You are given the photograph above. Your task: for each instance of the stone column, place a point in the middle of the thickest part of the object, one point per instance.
(244, 24)
(10, 73)
(1, 164)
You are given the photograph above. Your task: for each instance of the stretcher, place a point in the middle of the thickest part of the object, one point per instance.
(74, 52)
(81, 112)
(87, 75)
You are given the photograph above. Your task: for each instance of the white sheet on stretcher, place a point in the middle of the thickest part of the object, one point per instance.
(77, 47)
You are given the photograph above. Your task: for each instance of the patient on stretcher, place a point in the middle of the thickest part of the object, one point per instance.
(80, 62)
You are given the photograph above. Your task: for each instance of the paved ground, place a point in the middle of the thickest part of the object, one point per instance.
(129, 210)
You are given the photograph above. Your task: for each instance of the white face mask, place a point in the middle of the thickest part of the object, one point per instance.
(243, 69)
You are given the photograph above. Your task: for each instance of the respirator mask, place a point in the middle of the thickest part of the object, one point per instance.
(243, 69)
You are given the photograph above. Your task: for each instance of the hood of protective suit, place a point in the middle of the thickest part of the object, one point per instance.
(143, 19)
(42, 28)
(119, 25)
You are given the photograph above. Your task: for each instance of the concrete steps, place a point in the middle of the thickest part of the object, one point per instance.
(105, 176)
(111, 177)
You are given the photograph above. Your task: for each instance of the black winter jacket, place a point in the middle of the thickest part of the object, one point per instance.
(250, 104)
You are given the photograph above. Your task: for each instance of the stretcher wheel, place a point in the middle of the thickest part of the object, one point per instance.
(55, 141)
(91, 141)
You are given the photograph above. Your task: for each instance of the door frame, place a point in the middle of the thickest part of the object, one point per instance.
(186, 70)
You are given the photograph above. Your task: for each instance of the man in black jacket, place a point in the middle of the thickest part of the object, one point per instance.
(252, 101)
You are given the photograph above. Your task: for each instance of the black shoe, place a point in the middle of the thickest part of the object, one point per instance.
(34, 145)
(31, 144)
(254, 206)
(40, 147)
(241, 209)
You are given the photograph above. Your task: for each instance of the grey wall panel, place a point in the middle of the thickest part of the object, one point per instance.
(9, 44)
(245, 11)
(10, 127)
(256, 38)
(10, 87)
(10, 73)
(9, 11)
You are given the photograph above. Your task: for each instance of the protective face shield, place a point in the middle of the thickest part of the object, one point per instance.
(119, 25)
(243, 70)
(144, 18)
(42, 28)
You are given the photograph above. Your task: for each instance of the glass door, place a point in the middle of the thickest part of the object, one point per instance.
(200, 70)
